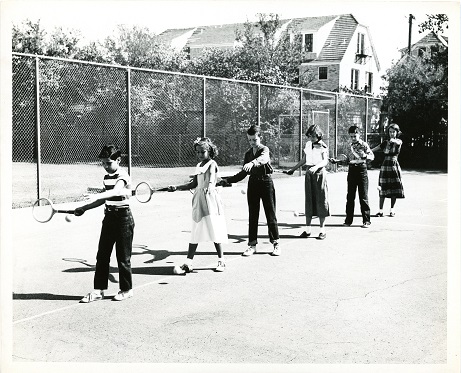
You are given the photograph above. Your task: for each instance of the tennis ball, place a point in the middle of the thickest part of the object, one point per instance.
(243, 191)
(68, 218)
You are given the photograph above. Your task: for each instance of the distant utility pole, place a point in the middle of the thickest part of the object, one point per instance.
(410, 21)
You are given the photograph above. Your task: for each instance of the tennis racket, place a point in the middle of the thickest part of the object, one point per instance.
(341, 158)
(43, 210)
(144, 191)
(280, 171)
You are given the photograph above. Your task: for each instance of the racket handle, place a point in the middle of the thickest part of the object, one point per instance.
(66, 211)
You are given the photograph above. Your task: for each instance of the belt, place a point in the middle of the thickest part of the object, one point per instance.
(357, 164)
(117, 208)
(260, 177)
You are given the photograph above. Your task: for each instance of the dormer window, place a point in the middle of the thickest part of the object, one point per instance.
(360, 44)
(421, 51)
(308, 41)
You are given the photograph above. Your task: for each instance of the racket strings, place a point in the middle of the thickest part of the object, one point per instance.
(42, 210)
(143, 192)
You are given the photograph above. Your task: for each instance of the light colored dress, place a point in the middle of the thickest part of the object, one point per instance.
(208, 220)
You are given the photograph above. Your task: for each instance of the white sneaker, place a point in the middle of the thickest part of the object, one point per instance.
(221, 266)
(250, 251)
(277, 250)
(122, 295)
(94, 295)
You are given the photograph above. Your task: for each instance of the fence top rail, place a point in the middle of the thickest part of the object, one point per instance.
(128, 68)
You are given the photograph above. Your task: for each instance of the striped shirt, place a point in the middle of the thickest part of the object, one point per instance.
(110, 180)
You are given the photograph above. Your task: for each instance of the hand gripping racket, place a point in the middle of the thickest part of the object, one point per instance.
(341, 158)
(43, 210)
(144, 191)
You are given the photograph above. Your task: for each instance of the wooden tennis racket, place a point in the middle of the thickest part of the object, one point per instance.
(43, 210)
(144, 191)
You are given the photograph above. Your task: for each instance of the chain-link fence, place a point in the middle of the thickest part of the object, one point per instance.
(64, 111)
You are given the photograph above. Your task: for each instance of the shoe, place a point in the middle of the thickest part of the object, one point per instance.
(221, 266)
(379, 214)
(304, 235)
(122, 295)
(366, 224)
(347, 224)
(392, 214)
(250, 251)
(277, 250)
(91, 297)
(322, 236)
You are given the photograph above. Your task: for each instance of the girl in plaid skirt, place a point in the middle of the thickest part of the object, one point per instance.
(390, 178)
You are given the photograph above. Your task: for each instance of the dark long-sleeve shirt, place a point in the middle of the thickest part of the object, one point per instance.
(260, 160)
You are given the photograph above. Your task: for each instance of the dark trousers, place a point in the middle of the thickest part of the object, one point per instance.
(117, 228)
(357, 178)
(261, 188)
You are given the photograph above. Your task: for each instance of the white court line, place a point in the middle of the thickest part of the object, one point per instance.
(81, 304)
(173, 275)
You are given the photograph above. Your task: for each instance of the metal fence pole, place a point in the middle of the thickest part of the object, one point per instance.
(336, 123)
(128, 118)
(300, 128)
(204, 108)
(37, 126)
(366, 119)
(259, 104)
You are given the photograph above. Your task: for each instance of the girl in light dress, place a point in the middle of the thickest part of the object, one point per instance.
(208, 220)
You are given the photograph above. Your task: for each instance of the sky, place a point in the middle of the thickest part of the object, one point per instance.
(387, 20)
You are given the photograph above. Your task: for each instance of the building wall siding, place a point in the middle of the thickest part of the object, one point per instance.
(331, 84)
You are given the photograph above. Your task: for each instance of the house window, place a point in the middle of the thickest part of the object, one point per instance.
(308, 42)
(421, 51)
(186, 50)
(369, 82)
(323, 73)
(360, 43)
(354, 79)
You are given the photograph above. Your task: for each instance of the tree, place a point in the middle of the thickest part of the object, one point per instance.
(434, 22)
(417, 93)
(265, 55)
(29, 37)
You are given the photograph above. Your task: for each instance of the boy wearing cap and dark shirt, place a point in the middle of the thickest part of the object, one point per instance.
(256, 163)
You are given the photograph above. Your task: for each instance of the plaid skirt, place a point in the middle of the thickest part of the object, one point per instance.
(390, 178)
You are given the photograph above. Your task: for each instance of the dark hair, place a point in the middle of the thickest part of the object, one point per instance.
(396, 127)
(110, 151)
(353, 129)
(208, 144)
(314, 130)
(254, 130)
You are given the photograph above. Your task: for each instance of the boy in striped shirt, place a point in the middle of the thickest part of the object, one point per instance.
(117, 227)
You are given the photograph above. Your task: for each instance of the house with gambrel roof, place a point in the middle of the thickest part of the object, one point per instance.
(337, 50)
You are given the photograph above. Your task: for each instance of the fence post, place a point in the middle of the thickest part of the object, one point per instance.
(204, 108)
(259, 104)
(366, 119)
(37, 125)
(336, 123)
(300, 149)
(128, 117)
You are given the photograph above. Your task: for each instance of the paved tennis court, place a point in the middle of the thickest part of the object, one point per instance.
(368, 297)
